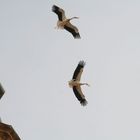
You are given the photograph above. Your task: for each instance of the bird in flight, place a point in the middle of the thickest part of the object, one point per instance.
(75, 83)
(64, 23)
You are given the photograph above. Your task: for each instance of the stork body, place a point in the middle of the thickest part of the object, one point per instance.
(75, 83)
(64, 23)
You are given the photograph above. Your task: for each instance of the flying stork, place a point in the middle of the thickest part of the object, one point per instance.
(76, 85)
(64, 23)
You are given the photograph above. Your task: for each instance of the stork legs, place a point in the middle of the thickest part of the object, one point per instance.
(84, 84)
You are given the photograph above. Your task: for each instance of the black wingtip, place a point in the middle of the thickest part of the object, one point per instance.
(54, 8)
(83, 102)
(77, 36)
(82, 63)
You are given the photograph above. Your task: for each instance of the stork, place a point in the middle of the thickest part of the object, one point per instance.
(64, 23)
(76, 84)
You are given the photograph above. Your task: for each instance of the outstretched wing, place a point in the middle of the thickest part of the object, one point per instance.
(72, 29)
(78, 71)
(79, 95)
(60, 12)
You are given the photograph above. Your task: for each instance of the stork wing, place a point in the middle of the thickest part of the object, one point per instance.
(79, 95)
(1, 91)
(78, 71)
(60, 12)
(72, 29)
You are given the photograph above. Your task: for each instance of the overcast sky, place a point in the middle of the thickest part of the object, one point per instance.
(37, 61)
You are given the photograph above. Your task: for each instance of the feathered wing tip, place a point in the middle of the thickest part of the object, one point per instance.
(83, 102)
(54, 8)
(82, 63)
(77, 36)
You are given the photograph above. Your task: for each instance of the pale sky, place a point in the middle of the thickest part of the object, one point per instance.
(37, 61)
